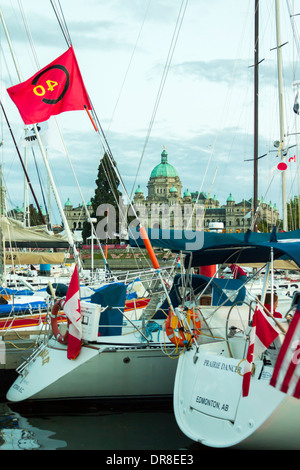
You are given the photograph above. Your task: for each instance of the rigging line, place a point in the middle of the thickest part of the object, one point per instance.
(39, 178)
(112, 161)
(29, 36)
(222, 119)
(107, 148)
(162, 83)
(130, 61)
(22, 163)
(122, 215)
(63, 27)
(65, 23)
(78, 186)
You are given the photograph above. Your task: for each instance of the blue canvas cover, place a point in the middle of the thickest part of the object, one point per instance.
(207, 248)
(221, 290)
(7, 291)
(113, 296)
(30, 307)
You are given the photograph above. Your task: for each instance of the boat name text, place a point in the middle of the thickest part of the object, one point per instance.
(222, 366)
(45, 356)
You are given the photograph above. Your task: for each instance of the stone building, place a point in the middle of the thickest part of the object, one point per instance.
(76, 215)
(193, 210)
(167, 205)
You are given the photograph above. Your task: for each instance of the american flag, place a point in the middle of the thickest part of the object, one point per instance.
(262, 336)
(286, 375)
(73, 312)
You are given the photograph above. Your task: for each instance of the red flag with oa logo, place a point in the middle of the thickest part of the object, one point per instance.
(56, 88)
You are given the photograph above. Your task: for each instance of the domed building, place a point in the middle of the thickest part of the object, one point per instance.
(164, 206)
(76, 215)
(157, 209)
(164, 181)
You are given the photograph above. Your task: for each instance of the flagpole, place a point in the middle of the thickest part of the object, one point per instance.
(281, 122)
(63, 216)
(65, 222)
(22, 163)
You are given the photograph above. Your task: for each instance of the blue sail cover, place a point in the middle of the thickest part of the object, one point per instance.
(28, 307)
(207, 248)
(113, 297)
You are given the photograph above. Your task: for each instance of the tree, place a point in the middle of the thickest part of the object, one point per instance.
(293, 213)
(106, 194)
(34, 216)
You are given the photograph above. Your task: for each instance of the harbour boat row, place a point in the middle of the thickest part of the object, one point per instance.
(194, 347)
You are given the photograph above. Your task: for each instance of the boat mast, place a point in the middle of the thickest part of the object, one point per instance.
(256, 59)
(281, 121)
(43, 152)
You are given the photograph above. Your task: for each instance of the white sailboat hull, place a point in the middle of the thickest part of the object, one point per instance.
(209, 407)
(101, 371)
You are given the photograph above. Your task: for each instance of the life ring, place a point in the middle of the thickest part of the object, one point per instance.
(63, 339)
(179, 338)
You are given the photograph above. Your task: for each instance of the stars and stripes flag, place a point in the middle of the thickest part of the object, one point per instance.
(73, 313)
(262, 336)
(54, 89)
(286, 375)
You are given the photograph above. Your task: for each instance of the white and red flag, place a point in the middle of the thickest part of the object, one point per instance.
(73, 313)
(262, 336)
(286, 375)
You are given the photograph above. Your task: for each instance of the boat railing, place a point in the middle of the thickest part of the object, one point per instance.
(37, 351)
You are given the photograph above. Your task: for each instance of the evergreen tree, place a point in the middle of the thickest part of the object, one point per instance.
(106, 194)
(293, 213)
(34, 216)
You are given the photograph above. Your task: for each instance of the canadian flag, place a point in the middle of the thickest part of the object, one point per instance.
(261, 337)
(73, 313)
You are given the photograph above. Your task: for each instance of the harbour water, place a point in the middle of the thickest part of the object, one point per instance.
(94, 425)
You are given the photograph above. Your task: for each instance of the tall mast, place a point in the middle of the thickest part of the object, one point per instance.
(256, 59)
(281, 121)
(43, 152)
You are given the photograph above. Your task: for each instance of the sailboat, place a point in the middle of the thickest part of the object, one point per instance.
(208, 399)
(240, 389)
(208, 402)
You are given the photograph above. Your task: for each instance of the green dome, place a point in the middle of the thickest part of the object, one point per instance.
(164, 168)
(230, 198)
(173, 189)
(186, 193)
(139, 190)
(68, 203)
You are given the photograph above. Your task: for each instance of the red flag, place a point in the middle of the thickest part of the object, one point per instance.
(56, 88)
(286, 375)
(262, 336)
(73, 312)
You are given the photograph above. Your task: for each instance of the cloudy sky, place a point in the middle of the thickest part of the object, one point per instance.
(160, 73)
